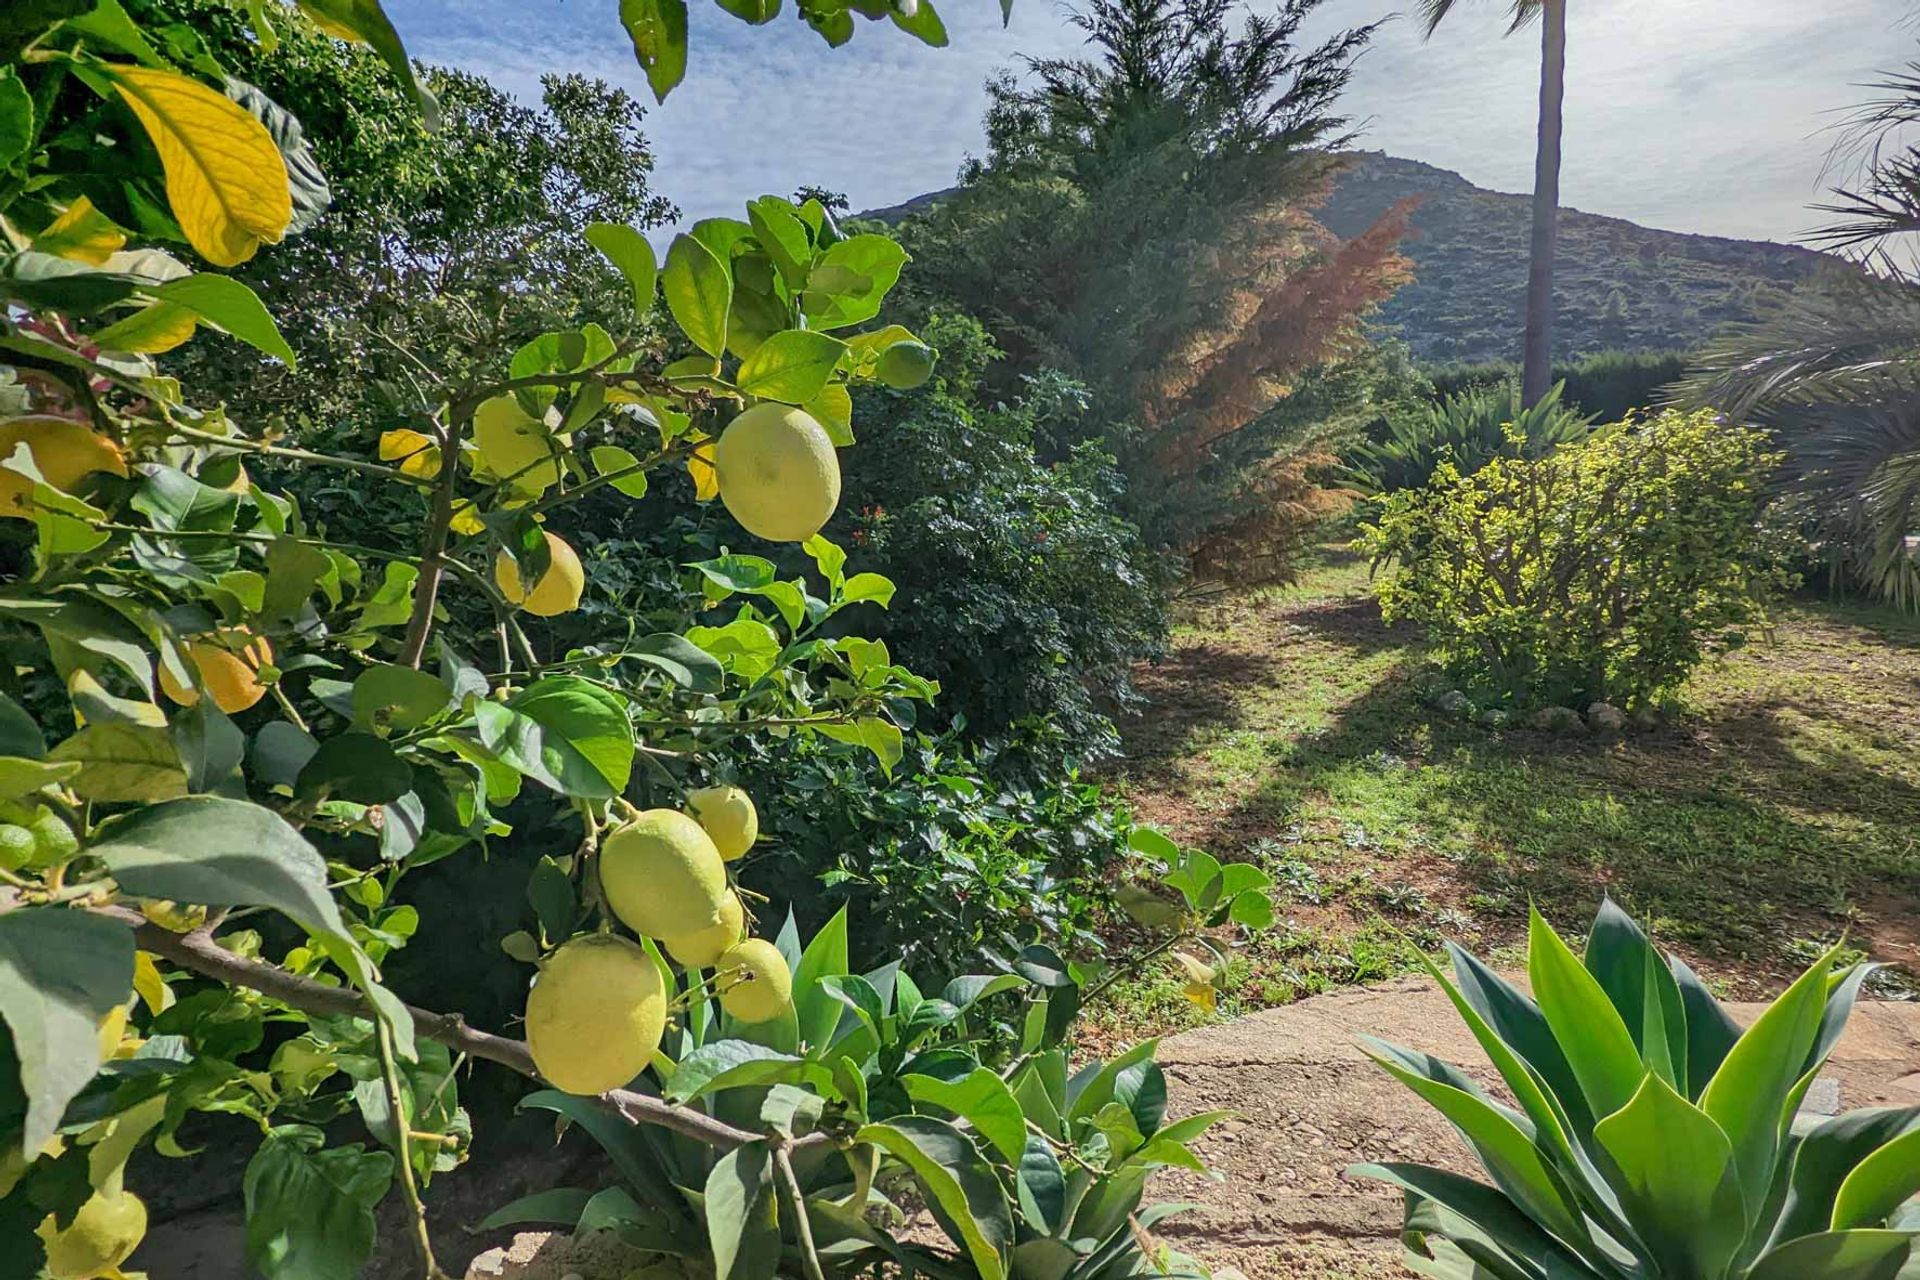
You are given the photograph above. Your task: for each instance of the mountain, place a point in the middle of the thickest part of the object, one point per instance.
(1616, 284)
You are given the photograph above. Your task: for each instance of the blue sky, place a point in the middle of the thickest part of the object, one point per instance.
(1694, 115)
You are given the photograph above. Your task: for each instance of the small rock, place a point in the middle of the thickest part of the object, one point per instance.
(1495, 718)
(1454, 703)
(1645, 720)
(1558, 720)
(1604, 717)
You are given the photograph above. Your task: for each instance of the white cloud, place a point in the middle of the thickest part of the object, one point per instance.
(1696, 115)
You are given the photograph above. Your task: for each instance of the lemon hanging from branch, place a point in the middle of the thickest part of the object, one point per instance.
(662, 875)
(595, 1014)
(778, 473)
(557, 591)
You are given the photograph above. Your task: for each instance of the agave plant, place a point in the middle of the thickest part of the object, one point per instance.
(1653, 1138)
(1469, 430)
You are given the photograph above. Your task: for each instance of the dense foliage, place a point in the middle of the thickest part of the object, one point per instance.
(1605, 570)
(1605, 387)
(235, 739)
(1022, 591)
(1142, 222)
(1654, 1138)
(1467, 429)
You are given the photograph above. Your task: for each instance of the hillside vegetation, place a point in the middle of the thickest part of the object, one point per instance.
(1617, 284)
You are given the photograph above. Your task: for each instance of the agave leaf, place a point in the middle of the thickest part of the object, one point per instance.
(1749, 1095)
(1491, 1211)
(1879, 1184)
(1519, 1022)
(1824, 1158)
(1837, 1255)
(1710, 1032)
(1502, 1137)
(1598, 1045)
(1673, 1168)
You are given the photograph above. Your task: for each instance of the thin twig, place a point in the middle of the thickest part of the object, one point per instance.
(802, 1228)
(402, 1132)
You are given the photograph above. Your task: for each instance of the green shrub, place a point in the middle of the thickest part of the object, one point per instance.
(1607, 386)
(1468, 430)
(1654, 1140)
(1607, 569)
(1022, 591)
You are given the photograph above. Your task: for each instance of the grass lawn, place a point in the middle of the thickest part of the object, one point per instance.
(1781, 812)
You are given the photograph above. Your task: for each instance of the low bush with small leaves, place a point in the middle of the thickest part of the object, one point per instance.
(1606, 570)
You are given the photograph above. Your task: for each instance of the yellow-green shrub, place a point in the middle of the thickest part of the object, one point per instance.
(1607, 569)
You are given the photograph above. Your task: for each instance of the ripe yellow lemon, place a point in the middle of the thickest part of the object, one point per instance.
(663, 876)
(558, 590)
(595, 1014)
(728, 815)
(516, 447)
(905, 365)
(755, 983)
(778, 473)
(233, 678)
(65, 452)
(701, 948)
(102, 1235)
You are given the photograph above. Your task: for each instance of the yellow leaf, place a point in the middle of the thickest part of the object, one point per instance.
(1202, 994)
(147, 981)
(706, 477)
(466, 520)
(151, 330)
(415, 451)
(1196, 970)
(82, 233)
(226, 181)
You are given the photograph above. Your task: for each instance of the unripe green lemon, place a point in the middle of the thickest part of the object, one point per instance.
(727, 814)
(595, 1014)
(778, 473)
(514, 445)
(102, 1235)
(17, 846)
(559, 588)
(663, 876)
(53, 840)
(755, 983)
(701, 948)
(905, 365)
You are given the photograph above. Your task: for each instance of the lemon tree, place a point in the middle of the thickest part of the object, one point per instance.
(230, 735)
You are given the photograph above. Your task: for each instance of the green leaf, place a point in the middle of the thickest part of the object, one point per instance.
(960, 1186)
(231, 306)
(1495, 1133)
(658, 29)
(560, 1206)
(742, 1220)
(1748, 1095)
(1673, 1170)
(309, 1210)
(687, 663)
(357, 767)
(550, 892)
(1825, 1157)
(21, 777)
(564, 732)
(61, 972)
(1837, 1255)
(816, 1010)
(219, 853)
(16, 119)
(1598, 1046)
(776, 224)
(862, 587)
(124, 763)
(629, 251)
(19, 735)
(1488, 1209)
(791, 366)
(924, 25)
(306, 181)
(1879, 1184)
(833, 410)
(1711, 1033)
(279, 752)
(699, 289)
(396, 697)
(611, 459)
(737, 572)
(876, 735)
(732, 1064)
(365, 22)
(849, 281)
(210, 745)
(982, 1099)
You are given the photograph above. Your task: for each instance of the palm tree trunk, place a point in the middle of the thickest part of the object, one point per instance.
(1537, 371)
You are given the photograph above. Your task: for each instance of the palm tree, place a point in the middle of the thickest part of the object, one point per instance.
(1536, 375)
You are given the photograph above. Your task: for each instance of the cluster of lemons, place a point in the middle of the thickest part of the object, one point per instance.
(599, 1007)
